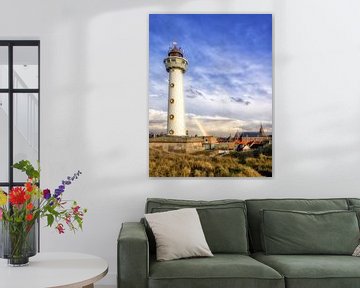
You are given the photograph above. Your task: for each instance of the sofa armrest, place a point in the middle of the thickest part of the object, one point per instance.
(133, 256)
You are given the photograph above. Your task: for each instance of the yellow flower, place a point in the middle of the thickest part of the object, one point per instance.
(3, 198)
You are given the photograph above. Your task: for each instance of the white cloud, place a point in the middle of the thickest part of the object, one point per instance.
(206, 124)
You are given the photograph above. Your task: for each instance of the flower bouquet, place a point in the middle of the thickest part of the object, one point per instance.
(23, 206)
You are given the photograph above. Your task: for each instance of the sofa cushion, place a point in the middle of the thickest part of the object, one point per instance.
(297, 232)
(313, 271)
(178, 234)
(353, 201)
(356, 209)
(254, 207)
(354, 205)
(222, 270)
(223, 221)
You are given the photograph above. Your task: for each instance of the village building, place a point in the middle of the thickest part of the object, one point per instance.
(251, 140)
(210, 142)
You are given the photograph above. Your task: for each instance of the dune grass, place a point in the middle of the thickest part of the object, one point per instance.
(254, 163)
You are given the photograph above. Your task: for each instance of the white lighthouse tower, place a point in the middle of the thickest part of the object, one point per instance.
(176, 66)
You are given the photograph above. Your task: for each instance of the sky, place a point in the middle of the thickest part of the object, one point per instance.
(228, 84)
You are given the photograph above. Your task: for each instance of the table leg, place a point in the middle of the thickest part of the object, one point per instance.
(89, 286)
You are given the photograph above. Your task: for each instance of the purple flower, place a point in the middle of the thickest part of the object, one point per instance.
(64, 183)
(46, 194)
(58, 192)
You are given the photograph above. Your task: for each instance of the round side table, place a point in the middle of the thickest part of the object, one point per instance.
(50, 270)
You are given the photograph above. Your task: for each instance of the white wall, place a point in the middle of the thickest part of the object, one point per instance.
(94, 61)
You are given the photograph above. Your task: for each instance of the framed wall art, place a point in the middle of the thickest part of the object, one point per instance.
(210, 95)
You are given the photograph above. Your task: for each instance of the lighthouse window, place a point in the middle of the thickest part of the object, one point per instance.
(172, 85)
(171, 132)
(172, 116)
(172, 100)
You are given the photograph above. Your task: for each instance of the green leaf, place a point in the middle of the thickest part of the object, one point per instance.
(53, 211)
(79, 221)
(22, 164)
(50, 219)
(28, 168)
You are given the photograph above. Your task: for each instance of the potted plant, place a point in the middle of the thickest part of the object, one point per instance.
(21, 208)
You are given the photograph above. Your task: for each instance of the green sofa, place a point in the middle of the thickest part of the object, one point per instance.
(235, 234)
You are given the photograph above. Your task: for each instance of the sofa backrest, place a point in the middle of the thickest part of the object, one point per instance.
(256, 205)
(223, 221)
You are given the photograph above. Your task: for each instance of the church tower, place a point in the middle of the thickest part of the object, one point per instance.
(176, 66)
(261, 131)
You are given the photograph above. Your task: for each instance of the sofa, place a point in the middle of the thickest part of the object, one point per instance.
(256, 244)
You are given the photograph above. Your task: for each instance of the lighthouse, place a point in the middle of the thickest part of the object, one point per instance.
(176, 66)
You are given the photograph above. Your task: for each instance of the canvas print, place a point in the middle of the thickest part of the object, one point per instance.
(210, 95)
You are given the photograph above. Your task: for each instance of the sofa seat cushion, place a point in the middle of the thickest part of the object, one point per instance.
(222, 270)
(313, 271)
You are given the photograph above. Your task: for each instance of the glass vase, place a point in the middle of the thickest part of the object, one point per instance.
(18, 242)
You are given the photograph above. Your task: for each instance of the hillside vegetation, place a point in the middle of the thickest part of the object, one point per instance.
(254, 163)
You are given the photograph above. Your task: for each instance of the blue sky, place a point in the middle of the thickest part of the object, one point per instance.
(228, 85)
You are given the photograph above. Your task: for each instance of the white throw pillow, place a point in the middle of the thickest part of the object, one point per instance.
(178, 234)
(357, 251)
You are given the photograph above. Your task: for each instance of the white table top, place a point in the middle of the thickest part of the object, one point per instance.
(68, 270)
